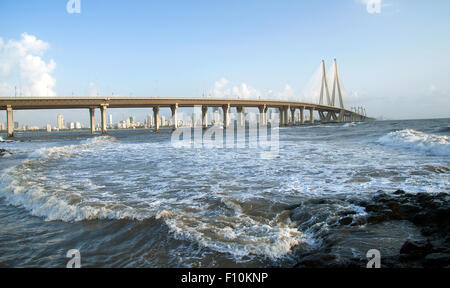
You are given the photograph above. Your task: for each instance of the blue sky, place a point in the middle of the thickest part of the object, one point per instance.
(396, 63)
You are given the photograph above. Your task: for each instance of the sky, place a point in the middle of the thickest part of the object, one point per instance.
(393, 55)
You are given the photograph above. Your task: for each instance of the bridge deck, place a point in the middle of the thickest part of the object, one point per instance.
(26, 103)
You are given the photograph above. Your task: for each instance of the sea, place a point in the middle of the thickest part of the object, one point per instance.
(133, 199)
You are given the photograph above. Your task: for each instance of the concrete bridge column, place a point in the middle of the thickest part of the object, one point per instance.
(292, 116)
(302, 115)
(156, 117)
(265, 115)
(240, 115)
(262, 117)
(174, 109)
(341, 117)
(92, 118)
(103, 112)
(281, 109)
(205, 117)
(10, 124)
(311, 115)
(286, 116)
(226, 116)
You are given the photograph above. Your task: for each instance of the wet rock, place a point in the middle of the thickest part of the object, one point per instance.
(4, 152)
(346, 213)
(316, 260)
(416, 248)
(428, 211)
(437, 260)
(346, 220)
(399, 192)
(406, 209)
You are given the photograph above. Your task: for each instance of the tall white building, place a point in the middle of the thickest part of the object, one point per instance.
(60, 120)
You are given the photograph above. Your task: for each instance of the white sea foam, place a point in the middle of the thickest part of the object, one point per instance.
(240, 236)
(419, 141)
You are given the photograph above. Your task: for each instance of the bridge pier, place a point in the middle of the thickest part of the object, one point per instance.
(103, 112)
(92, 119)
(311, 115)
(156, 117)
(341, 117)
(292, 123)
(240, 115)
(262, 116)
(226, 116)
(174, 109)
(10, 124)
(205, 117)
(302, 115)
(265, 115)
(281, 116)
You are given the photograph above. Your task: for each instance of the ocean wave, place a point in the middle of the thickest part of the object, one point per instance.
(242, 236)
(67, 150)
(419, 141)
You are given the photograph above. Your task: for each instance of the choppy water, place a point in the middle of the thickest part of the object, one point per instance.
(132, 199)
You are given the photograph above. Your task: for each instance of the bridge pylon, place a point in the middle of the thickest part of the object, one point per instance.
(324, 86)
(336, 84)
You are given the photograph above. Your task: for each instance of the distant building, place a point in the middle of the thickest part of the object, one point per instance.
(149, 121)
(72, 125)
(110, 120)
(217, 116)
(16, 125)
(49, 128)
(78, 125)
(60, 121)
(2, 126)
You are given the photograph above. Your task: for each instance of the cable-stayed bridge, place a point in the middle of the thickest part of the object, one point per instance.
(291, 112)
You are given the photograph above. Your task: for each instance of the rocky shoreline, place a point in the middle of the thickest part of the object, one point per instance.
(428, 214)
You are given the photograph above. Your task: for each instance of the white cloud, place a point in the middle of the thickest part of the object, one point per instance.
(22, 60)
(224, 89)
(286, 94)
(93, 89)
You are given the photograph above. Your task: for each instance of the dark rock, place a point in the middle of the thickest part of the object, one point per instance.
(416, 248)
(4, 152)
(374, 208)
(430, 230)
(316, 260)
(406, 210)
(379, 217)
(346, 212)
(399, 192)
(346, 220)
(437, 260)
(421, 218)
